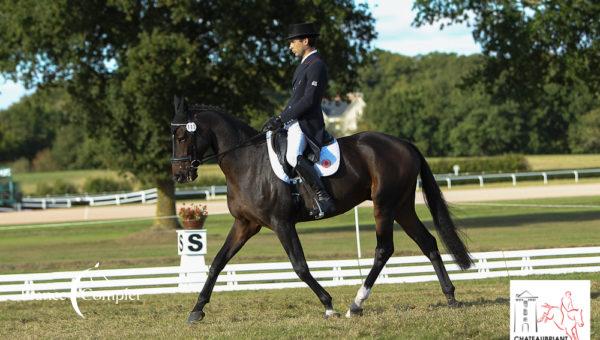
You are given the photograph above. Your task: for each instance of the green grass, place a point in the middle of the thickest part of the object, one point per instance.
(29, 181)
(398, 311)
(133, 244)
(393, 311)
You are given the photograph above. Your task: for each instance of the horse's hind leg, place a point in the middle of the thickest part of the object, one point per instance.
(384, 250)
(411, 224)
(291, 243)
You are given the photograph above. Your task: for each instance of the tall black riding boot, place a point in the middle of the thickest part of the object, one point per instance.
(309, 175)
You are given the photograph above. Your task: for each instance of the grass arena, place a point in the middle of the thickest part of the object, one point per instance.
(411, 310)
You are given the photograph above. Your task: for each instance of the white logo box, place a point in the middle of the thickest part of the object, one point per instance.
(557, 309)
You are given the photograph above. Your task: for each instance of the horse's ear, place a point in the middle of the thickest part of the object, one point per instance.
(181, 109)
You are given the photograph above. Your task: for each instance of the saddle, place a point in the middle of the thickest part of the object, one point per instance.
(279, 143)
(329, 158)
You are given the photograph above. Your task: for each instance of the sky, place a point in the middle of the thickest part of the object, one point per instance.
(393, 24)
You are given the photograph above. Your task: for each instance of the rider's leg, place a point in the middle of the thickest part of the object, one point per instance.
(307, 171)
(296, 144)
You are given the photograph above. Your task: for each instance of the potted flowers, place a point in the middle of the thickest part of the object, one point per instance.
(193, 216)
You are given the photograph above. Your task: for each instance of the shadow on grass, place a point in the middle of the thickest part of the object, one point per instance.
(525, 219)
(479, 222)
(481, 302)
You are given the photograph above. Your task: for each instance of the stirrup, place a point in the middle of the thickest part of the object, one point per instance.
(317, 212)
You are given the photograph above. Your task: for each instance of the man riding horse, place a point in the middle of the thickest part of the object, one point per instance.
(303, 116)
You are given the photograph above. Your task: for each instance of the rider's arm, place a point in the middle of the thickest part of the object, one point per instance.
(314, 89)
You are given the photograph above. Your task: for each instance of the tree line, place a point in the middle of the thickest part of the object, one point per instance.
(437, 102)
(432, 100)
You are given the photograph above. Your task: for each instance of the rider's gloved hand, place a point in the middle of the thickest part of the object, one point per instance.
(272, 124)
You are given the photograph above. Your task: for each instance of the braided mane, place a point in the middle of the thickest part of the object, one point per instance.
(237, 123)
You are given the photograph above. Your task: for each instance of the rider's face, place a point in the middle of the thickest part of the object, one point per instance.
(298, 46)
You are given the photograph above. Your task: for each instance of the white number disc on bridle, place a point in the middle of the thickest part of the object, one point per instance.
(191, 127)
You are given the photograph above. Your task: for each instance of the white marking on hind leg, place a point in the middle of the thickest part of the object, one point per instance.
(356, 306)
(362, 294)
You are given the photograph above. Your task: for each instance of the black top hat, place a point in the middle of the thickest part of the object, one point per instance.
(306, 29)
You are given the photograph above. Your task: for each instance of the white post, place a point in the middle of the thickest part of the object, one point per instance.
(357, 232)
(143, 197)
(449, 182)
(545, 177)
(514, 178)
(576, 176)
(480, 181)
(358, 241)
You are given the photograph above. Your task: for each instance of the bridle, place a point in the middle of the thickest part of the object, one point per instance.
(193, 157)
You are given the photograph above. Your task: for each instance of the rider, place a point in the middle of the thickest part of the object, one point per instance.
(303, 117)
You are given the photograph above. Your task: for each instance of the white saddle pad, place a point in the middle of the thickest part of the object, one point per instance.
(329, 162)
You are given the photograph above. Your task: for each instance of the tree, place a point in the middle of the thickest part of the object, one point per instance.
(29, 126)
(584, 136)
(540, 54)
(122, 61)
(424, 99)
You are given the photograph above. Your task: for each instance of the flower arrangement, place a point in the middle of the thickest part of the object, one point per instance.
(193, 216)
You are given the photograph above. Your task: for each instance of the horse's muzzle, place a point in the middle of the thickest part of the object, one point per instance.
(184, 174)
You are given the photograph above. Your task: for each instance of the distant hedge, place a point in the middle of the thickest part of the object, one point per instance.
(492, 164)
(101, 185)
(58, 187)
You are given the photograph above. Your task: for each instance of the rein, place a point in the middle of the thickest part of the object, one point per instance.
(247, 142)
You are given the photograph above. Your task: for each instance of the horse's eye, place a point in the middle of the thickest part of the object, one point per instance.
(181, 140)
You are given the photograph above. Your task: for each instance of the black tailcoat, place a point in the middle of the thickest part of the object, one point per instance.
(308, 89)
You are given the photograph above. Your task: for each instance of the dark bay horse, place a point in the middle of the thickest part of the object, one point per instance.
(374, 166)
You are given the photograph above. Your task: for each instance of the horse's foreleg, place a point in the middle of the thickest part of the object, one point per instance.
(291, 243)
(415, 229)
(240, 232)
(383, 251)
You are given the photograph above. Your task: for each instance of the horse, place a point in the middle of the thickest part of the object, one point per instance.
(374, 166)
(564, 320)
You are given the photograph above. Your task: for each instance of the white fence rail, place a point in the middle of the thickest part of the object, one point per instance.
(161, 280)
(448, 179)
(144, 196)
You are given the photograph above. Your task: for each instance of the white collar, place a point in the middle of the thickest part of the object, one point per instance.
(306, 56)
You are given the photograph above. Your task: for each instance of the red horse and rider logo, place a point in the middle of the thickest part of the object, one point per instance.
(565, 317)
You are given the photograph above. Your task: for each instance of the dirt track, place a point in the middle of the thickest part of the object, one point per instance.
(220, 206)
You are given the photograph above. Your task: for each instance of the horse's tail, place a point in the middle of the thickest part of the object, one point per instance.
(441, 216)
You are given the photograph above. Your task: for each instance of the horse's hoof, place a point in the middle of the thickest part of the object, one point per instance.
(331, 314)
(195, 316)
(453, 303)
(351, 313)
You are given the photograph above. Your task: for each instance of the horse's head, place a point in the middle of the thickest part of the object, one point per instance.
(190, 142)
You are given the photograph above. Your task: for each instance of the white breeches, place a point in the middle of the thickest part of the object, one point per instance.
(296, 143)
